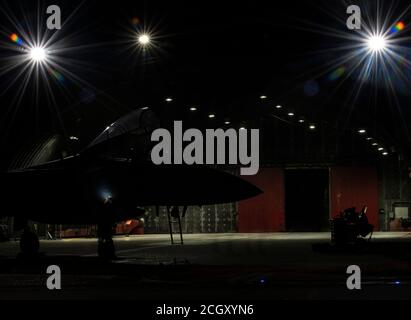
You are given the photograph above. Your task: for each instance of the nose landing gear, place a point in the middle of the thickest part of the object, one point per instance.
(29, 243)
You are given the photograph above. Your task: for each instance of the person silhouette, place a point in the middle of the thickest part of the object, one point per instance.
(365, 227)
(175, 212)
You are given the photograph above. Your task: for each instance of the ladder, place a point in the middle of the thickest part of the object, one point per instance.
(174, 217)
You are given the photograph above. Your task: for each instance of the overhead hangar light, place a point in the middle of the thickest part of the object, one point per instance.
(193, 109)
(211, 116)
(362, 131)
(169, 99)
(312, 127)
(377, 43)
(144, 39)
(291, 114)
(278, 107)
(263, 97)
(38, 54)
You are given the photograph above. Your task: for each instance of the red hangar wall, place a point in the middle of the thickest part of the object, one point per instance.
(348, 186)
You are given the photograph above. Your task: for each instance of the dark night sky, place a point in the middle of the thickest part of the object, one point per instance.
(219, 58)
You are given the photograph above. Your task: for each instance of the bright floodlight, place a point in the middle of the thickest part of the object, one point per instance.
(38, 54)
(144, 39)
(377, 43)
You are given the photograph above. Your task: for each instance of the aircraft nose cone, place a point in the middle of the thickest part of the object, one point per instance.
(245, 189)
(185, 185)
(234, 188)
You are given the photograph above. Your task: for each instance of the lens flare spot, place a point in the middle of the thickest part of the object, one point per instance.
(135, 21)
(311, 88)
(16, 39)
(57, 75)
(336, 74)
(398, 27)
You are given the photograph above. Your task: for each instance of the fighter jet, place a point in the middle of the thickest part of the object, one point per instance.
(111, 180)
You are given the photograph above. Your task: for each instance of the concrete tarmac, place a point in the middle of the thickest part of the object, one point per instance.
(212, 266)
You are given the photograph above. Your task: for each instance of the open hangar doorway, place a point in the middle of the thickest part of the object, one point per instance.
(307, 206)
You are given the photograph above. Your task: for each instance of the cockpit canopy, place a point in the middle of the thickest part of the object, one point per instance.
(128, 136)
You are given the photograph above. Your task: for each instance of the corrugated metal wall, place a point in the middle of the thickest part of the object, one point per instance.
(207, 219)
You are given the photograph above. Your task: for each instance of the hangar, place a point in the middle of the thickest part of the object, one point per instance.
(303, 194)
(331, 108)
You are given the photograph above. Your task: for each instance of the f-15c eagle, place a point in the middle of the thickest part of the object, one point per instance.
(111, 180)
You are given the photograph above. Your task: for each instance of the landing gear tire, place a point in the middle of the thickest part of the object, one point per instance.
(106, 249)
(29, 244)
(105, 231)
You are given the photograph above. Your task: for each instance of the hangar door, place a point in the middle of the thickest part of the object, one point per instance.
(307, 200)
